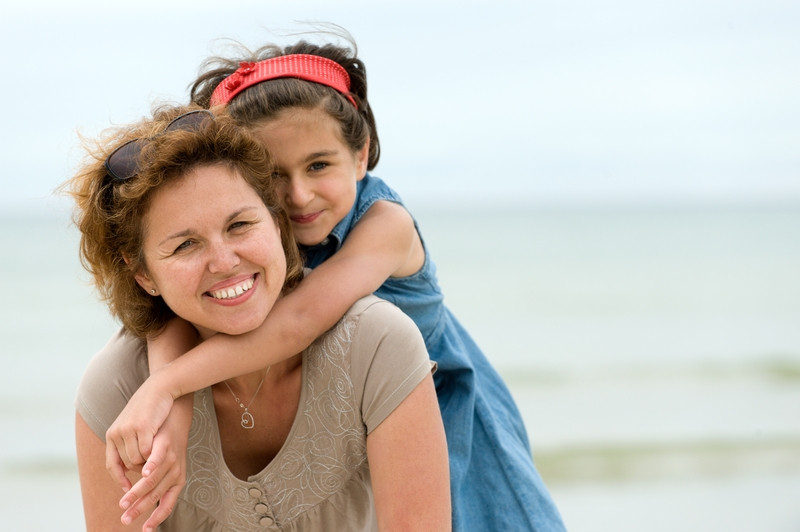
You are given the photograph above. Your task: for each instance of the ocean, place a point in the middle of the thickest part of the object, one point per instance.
(653, 350)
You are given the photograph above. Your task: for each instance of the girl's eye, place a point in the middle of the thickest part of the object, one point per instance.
(316, 167)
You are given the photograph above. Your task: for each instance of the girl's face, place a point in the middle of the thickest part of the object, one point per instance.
(213, 251)
(317, 172)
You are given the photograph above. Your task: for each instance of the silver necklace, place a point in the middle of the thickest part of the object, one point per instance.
(247, 418)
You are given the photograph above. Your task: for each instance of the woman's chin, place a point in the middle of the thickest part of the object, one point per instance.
(233, 329)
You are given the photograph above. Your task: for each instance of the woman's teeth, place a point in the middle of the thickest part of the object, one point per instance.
(233, 291)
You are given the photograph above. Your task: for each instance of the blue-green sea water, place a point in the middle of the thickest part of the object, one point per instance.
(654, 352)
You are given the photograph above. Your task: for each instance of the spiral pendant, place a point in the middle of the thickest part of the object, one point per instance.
(247, 420)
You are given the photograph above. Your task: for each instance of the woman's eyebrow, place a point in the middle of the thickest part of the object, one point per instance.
(187, 232)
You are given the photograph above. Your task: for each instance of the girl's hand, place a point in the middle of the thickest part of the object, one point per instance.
(164, 473)
(129, 440)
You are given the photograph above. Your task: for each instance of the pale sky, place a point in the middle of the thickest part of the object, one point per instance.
(500, 101)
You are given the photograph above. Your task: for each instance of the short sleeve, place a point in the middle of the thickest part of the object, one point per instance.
(110, 379)
(388, 358)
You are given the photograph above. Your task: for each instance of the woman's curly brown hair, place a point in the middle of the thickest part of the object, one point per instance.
(110, 214)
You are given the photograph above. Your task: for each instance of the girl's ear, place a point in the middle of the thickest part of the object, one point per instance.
(362, 158)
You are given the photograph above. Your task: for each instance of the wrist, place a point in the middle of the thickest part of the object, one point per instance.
(161, 383)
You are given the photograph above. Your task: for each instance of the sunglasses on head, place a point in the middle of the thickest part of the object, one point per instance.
(123, 163)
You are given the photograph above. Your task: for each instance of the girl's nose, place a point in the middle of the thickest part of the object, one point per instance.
(298, 192)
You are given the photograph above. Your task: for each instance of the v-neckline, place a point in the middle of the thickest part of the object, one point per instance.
(209, 397)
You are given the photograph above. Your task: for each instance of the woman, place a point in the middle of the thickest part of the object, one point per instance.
(178, 219)
(307, 103)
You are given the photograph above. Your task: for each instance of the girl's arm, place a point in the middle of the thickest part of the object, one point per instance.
(409, 466)
(383, 244)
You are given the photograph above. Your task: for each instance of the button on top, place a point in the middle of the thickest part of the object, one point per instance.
(254, 493)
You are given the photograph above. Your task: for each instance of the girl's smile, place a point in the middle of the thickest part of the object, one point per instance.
(305, 218)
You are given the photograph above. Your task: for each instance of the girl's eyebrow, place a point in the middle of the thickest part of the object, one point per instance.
(319, 154)
(187, 232)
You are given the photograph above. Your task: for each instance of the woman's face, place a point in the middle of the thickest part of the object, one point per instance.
(317, 172)
(213, 251)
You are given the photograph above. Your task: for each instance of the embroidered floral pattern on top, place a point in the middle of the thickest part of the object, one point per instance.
(325, 448)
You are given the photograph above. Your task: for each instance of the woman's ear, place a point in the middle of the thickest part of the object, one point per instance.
(143, 280)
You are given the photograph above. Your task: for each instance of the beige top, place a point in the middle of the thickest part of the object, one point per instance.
(353, 376)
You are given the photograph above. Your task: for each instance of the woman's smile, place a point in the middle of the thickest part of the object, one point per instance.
(226, 293)
(220, 266)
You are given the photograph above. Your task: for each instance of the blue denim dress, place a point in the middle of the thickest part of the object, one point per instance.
(494, 484)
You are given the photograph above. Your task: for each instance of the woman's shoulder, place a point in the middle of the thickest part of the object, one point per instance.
(371, 331)
(387, 357)
(110, 379)
(379, 330)
(376, 313)
(123, 358)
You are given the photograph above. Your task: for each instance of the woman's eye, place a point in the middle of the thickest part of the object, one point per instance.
(238, 225)
(184, 246)
(316, 167)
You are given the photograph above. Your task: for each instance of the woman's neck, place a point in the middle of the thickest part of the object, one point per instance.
(248, 384)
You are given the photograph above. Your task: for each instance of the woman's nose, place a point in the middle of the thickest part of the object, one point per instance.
(223, 257)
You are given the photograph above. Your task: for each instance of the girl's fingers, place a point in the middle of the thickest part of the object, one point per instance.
(164, 508)
(149, 481)
(149, 494)
(132, 455)
(116, 468)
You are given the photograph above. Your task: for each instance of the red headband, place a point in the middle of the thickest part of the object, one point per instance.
(302, 66)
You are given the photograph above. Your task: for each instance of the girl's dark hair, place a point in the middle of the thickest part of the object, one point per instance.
(265, 100)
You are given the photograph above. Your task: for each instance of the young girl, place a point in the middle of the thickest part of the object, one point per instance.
(308, 104)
